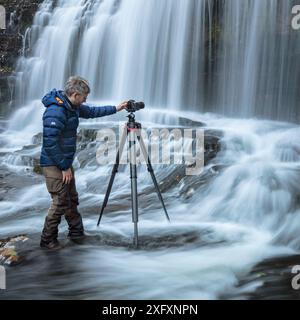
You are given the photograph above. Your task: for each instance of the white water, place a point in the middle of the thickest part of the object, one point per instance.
(259, 69)
(105, 42)
(244, 213)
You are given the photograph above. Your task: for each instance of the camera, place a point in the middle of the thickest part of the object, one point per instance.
(133, 106)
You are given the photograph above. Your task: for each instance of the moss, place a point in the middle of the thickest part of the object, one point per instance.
(6, 69)
(37, 170)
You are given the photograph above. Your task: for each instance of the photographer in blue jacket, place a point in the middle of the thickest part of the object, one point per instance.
(60, 123)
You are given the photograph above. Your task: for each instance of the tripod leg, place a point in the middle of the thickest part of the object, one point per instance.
(133, 177)
(113, 174)
(150, 169)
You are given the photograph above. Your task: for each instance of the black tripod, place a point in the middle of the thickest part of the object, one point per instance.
(132, 131)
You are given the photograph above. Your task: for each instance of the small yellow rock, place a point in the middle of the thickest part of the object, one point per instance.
(8, 252)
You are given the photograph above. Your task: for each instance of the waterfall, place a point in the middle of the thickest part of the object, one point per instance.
(146, 50)
(259, 65)
(236, 58)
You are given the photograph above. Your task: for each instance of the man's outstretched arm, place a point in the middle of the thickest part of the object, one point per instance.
(96, 112)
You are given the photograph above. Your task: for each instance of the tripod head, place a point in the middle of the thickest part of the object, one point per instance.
(131, 117)
(132, 107)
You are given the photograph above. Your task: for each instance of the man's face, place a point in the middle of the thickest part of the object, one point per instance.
(78, 99)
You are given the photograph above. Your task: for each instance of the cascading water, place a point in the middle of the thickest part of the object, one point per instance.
(259, 65)
(125, 48)
(185, 57)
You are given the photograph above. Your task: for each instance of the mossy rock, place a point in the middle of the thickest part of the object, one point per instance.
(37, 169)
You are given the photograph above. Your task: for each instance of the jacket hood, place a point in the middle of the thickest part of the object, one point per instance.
(56, 97)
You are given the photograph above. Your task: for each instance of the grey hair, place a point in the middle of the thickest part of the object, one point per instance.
(76, 84)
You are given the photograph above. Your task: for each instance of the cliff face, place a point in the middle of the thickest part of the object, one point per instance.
(19, 16)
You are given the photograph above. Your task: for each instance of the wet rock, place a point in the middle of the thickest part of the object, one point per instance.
(155, 241)
(86, 147)
(178, 176)
(11, 181)
(9, 248)
(5, 92)
(189, 122)
(28, 156)
(37, 139)
(86, 135)
(190, 184)
(211, 146)
(175, 120)
(87, 154)
(274, 279)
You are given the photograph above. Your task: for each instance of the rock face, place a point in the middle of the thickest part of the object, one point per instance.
(19, 16)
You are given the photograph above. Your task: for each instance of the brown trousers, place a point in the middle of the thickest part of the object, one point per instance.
(64, 202)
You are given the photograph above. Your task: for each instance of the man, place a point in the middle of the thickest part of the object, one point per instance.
(60, 122)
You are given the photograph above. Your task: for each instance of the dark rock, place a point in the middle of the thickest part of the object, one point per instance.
(37, 139)
(10, 47)
(20, 13)
(190, 184)
(275, 278)
(11, 181)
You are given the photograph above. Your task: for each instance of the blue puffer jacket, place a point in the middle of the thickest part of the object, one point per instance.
(60, 122)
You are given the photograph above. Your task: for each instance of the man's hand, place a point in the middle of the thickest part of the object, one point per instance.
(67, 175)
(122, 106)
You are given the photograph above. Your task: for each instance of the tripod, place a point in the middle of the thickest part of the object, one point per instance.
(132, 131)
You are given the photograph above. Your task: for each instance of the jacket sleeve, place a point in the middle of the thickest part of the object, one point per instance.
(54, 121)
(95, 112)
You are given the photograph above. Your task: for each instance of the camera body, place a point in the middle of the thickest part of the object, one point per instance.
(133, 106)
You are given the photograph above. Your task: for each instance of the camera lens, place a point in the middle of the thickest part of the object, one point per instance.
(133, 106)
(139, 105)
